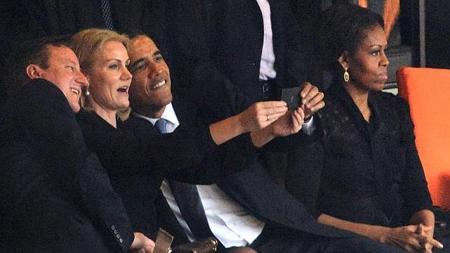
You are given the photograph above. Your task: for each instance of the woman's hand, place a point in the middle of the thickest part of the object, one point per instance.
(408, 238)
(289, 123)
(142, 244)
(428, 232)
(261, 114)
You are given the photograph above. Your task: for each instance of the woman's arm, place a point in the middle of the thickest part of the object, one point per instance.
(405, 237)
(258, 116)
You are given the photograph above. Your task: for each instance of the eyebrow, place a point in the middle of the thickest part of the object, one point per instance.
(132, 65)
(71, 62)
(118, 60)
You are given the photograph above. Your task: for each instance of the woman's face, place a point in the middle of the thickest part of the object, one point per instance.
(367, 66)
(109, 78)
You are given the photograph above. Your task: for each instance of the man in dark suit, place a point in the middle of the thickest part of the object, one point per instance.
(254, 211)
(151, 98)
(55, 195)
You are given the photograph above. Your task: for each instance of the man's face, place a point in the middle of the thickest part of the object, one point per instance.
(64, 71)
(151, 85)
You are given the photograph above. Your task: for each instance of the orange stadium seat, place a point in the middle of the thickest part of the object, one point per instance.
(427, 91)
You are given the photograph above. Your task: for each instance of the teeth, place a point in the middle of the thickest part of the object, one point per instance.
(160, 84)
(76, 91)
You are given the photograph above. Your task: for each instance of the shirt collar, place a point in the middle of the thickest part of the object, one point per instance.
(168, 114)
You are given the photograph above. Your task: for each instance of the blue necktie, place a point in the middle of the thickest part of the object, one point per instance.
(107, 14)
(161, 124)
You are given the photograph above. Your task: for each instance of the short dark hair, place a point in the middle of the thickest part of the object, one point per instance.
(29, 52)
(343, 28)
(134, 33)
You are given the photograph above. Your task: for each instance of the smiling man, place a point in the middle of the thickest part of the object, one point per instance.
(151, 93)
(245, 210)
(55, 196)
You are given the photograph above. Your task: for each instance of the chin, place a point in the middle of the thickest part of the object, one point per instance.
(75, 108)
(380, 87)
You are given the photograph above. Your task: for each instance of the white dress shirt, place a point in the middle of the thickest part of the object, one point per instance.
(168, 114)
(266, 67)
(230, 223)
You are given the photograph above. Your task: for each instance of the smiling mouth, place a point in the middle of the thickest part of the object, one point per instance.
(75, 91)
(159, 84)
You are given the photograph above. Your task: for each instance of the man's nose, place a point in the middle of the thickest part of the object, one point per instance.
(81, 79)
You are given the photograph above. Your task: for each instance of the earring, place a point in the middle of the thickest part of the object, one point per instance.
(346, 76)
(87, 93)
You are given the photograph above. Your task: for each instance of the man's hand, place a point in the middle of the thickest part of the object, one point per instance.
(142, 244)
(312, 99)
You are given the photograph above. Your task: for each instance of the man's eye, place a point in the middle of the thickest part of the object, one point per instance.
(137, 67)
(71, 68)
(158, 57)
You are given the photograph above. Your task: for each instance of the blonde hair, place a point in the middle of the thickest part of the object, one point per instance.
(86, 43)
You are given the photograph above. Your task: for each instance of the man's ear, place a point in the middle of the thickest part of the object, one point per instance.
(343, 60)
(34, 71)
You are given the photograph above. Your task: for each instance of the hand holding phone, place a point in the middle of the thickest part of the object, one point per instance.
(292, 97)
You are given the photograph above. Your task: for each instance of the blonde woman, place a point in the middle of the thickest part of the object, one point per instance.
(104, 59)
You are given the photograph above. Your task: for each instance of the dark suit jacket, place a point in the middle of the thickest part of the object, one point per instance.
(55, 194)
(218, 45)
(252, 187)
(257, 192)
(371, 173)
(138, 157)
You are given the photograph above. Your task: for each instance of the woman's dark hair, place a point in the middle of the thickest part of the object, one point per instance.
(343, 28)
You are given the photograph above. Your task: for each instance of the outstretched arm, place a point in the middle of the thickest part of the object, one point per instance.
(256, 117)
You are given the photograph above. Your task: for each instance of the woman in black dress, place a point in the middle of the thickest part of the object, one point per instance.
(372, 182)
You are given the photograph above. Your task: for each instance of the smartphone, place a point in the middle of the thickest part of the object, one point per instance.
(163, 242)
(291, 96)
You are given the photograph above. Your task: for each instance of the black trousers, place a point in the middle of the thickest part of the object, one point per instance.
(291, 241)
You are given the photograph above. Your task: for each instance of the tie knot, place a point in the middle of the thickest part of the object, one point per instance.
(161, 124)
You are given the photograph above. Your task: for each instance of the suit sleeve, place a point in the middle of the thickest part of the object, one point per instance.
(124, 153)
(49, 123)
(219, 163)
